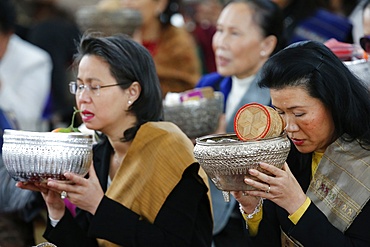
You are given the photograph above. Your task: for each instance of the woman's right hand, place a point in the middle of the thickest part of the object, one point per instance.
(54, 203)
(248, 203)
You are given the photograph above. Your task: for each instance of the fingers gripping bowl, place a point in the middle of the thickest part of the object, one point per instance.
(259, 137)
(36, 156)
(226, 159)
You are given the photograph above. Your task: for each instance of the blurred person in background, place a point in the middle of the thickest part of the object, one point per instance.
(25, 73)
(365, 40)
(248, 32)
(173, 48)
(351, 9)
(313, 20)
(54, 30)
(200, 20)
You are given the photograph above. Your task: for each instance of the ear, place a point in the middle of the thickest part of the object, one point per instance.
(134, 91)
(268, 45)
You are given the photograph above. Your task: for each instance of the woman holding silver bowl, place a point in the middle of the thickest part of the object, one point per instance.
(144, 187)
(321, 196)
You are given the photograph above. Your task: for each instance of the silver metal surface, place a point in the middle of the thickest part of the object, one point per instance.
(196, 117)
(37, 156)
(226, 160)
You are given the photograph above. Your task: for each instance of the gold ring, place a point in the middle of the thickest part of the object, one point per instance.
(268, 190)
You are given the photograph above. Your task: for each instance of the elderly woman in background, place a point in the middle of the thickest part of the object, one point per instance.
(173, 48)
(248, 32)
(321, 196)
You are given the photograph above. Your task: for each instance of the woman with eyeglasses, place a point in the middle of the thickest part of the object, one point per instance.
(365, 40)
(145, 187)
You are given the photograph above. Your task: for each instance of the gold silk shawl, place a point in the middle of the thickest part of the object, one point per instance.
(340, 187)
(153, 166)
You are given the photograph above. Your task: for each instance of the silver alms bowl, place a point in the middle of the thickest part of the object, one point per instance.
(196, 117)
(37, 156)
(226, 159)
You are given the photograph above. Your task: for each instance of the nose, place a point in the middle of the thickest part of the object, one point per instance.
(291, 126)
(84, 96)
(219, 40)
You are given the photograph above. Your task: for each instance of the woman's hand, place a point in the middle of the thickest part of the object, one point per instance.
(281, 188)
(85, 193)
(248, 203)
(54, 203)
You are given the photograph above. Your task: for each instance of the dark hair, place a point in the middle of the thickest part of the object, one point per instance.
(7, 16)
(173, 7)
(269, 17)
(128, 61)
(316, 68)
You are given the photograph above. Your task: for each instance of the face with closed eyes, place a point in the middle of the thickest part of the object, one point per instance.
(108, 110)
(309, 123)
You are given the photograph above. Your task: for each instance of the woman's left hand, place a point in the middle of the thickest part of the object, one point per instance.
(85, 193)
(281, 188)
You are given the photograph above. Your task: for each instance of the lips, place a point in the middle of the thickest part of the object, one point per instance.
(87, 115)
(297, 142)
(222, 61)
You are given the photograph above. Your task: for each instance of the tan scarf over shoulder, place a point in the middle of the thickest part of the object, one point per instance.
(340, 187)
(153, 166)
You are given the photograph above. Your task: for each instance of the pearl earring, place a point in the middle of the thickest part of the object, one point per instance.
(129, 102)
(263, 53)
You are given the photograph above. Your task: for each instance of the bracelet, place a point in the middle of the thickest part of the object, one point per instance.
(256, 210)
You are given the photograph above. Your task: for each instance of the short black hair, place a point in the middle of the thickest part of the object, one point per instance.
(7, 16)
(129, 61)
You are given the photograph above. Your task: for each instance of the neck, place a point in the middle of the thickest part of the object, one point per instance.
(149, 32)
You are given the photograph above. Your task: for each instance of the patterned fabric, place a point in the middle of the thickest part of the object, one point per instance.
(341, 185)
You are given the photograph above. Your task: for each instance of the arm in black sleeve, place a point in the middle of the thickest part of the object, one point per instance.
(68, 233)
(184, 219)
(314, 229)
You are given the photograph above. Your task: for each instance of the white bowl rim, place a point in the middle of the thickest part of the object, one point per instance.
(54, 135)
(202, 141)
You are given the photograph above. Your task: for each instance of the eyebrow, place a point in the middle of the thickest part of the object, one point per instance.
(289, 108)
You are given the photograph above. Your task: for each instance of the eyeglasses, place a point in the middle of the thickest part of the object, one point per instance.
(75, 88)
(365, 43)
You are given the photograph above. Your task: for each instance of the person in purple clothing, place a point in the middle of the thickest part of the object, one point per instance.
(248, 32)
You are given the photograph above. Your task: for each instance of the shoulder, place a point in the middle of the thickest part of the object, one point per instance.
(162, 129)
(18, 46)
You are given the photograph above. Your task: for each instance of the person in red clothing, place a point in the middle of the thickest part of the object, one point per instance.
(173, 48)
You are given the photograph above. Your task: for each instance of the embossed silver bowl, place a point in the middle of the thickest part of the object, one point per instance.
(37, 156)
(226, 159)
(196, 117)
